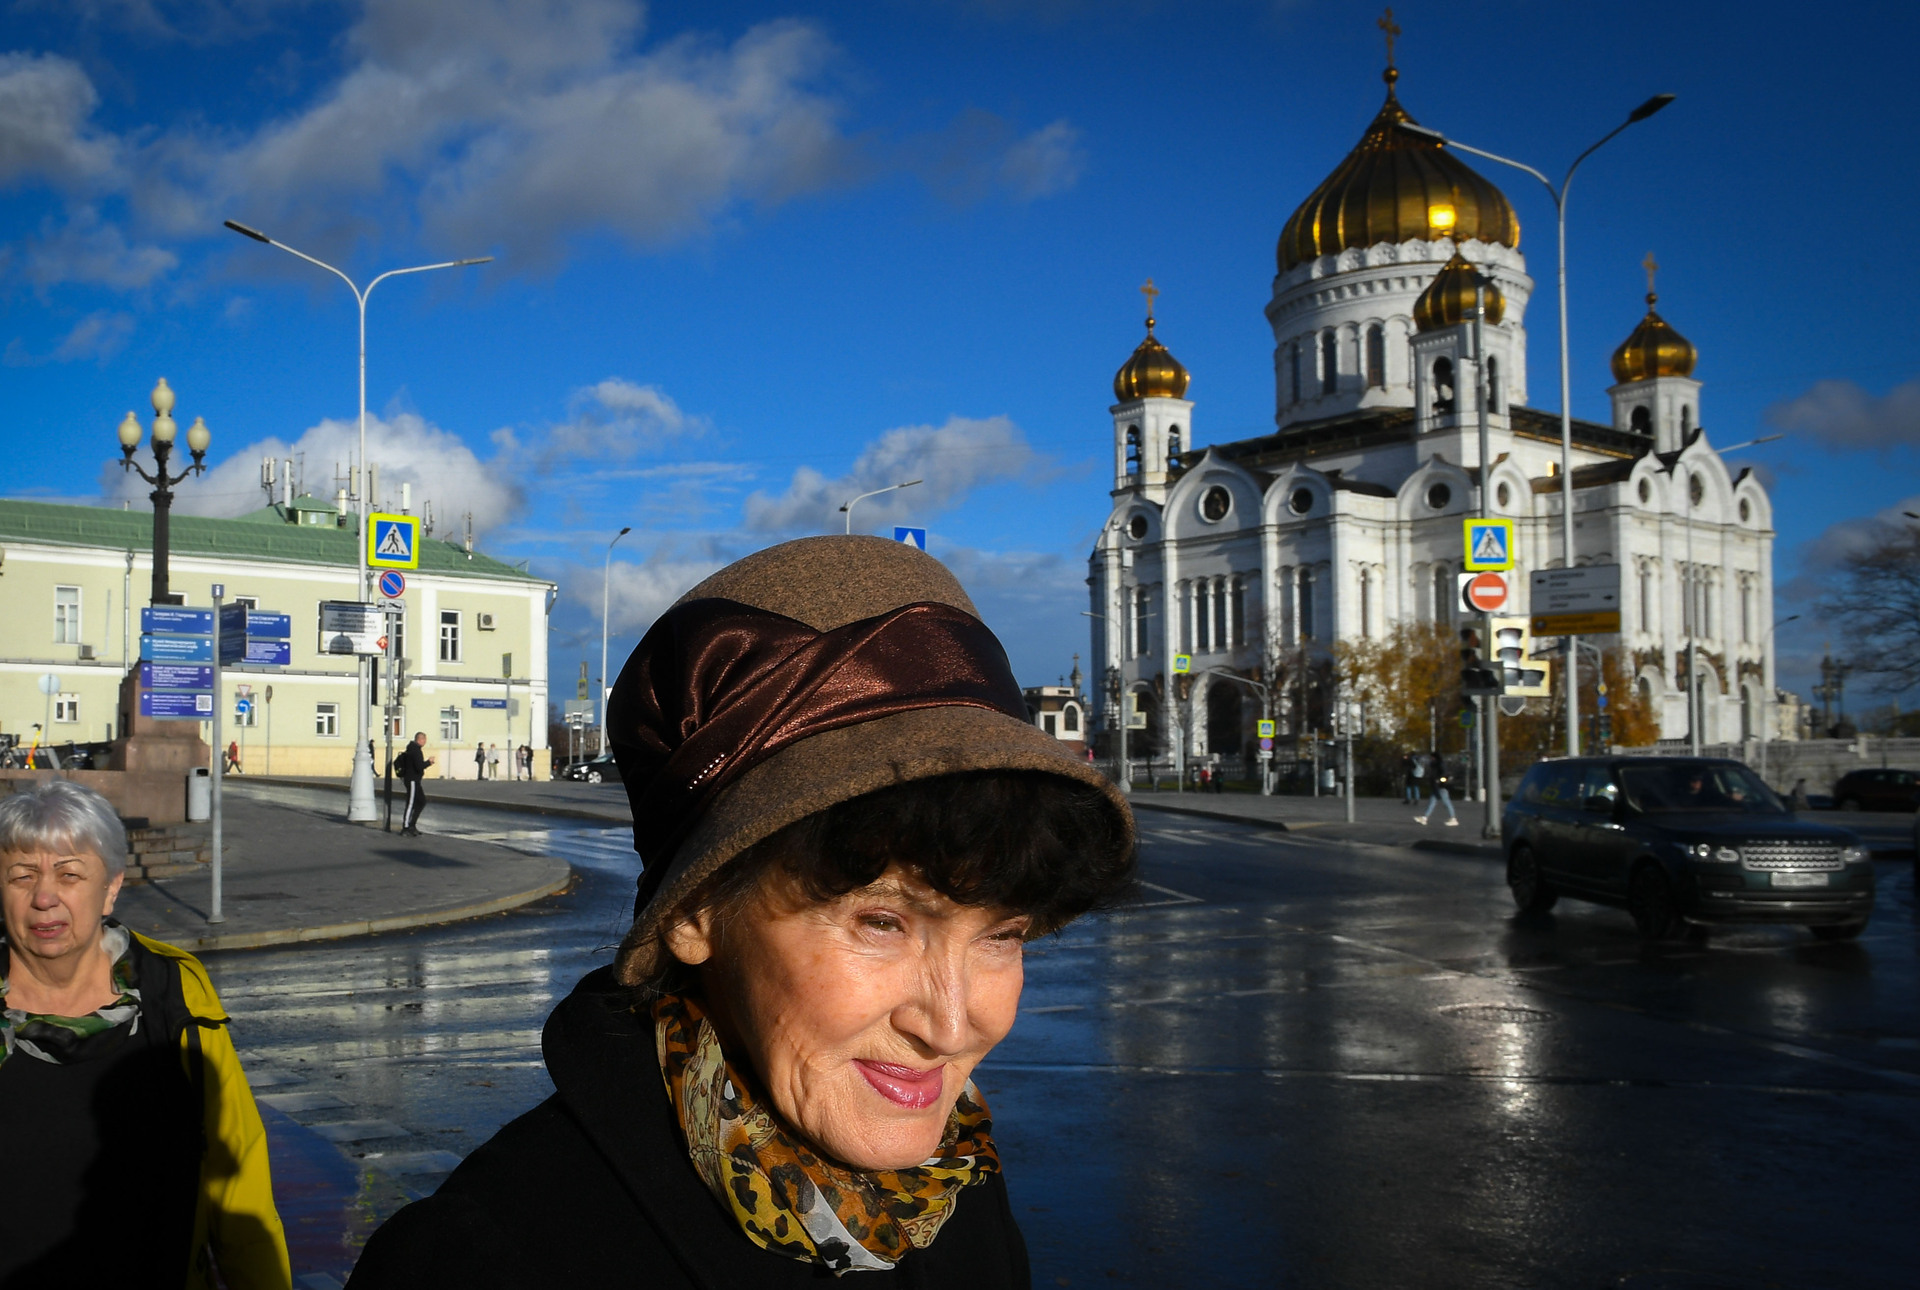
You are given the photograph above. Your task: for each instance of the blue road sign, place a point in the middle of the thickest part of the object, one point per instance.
(233, 647)
(393, 542)
(269, 626)
(183, 705)
(487, 703)
(242, 707)
(912, 537)
(174, 618)
(268, 653)
(176, 676)
(1488, 545)
(393, 584)
(176, 649)
(233, 620)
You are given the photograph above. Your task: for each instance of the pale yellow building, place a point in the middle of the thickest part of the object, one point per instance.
(74, 578)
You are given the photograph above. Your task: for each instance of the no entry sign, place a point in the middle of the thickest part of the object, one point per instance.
(1483, 593)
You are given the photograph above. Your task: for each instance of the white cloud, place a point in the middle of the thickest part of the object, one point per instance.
(640, 591)
(99, 335)
(1839, 414)
(85, 249)
(1045, 163)
(45, 101)
(952, 460)
(617, 419)
(981, 155)
(405, 448)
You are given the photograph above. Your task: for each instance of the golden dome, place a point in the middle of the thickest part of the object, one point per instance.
(1654, 349)
(1397, 187)
(1151, 373)
(1448, 299)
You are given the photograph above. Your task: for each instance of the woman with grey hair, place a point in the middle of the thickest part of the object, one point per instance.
(127, 1111)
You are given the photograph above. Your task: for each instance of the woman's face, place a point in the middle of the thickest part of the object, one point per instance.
(864, 1016)
(55, 901)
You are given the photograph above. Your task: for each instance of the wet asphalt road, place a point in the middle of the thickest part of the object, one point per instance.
(1291, 1063)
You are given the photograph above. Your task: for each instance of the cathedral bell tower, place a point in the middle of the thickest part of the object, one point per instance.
(1152, 424)
(1656, 394)
(1444, 381)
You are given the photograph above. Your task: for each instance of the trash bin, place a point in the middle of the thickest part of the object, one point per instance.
(1328, 780)
(199, 796)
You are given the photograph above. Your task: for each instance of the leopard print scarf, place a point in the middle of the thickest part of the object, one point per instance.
(784, 1196)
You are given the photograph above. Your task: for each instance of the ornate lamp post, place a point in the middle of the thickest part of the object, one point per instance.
(164, 429)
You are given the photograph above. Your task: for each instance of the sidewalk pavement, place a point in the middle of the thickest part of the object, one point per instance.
(292, 874)
(606, 803)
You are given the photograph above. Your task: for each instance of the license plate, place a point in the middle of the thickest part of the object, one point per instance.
(1781, 879)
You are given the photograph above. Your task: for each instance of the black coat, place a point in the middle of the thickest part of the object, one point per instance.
(593, 1187)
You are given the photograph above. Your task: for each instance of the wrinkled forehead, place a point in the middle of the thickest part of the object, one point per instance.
(56, 854)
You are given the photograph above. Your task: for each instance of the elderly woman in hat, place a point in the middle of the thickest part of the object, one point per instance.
(135, 1153)
(849, 830)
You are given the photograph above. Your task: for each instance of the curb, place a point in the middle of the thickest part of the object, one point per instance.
(370, 926)
(485, 804)
(1171, 809)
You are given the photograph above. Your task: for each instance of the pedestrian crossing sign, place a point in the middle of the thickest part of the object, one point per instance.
(1183, 663)
(393, 541)
(1489, 545)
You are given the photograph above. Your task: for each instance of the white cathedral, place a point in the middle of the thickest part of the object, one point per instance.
(1346, 520)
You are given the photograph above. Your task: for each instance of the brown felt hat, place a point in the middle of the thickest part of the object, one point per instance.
(827, 583)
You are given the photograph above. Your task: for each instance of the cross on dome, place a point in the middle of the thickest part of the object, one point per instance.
(1392, 29)
(1652, 267)
(1149, 291)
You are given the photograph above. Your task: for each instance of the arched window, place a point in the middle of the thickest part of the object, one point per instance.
(1366, 604)
(1070, 719)
(1329, 363)
(1220, 624)
(1142, 632)
(1442, 594)
(1376, 357)
(1493, 384)
(1133, 450)
(1442, 386)
(1306, 604)
(1641, 421)
(1173, 448)
(1295, 364)
(1686, 419)
(1237, 614)
(1646, 597)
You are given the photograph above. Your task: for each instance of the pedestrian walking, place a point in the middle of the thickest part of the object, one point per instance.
(1442, 784)
(493, 761)
(1414, 767)
(411, 765)
(526, 761)
(233, 757)
(479, 761)
(851, 826)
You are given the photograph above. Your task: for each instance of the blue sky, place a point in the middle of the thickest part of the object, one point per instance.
(755, 257)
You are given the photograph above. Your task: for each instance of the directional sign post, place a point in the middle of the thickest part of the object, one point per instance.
(393, 541)
(1581, 601)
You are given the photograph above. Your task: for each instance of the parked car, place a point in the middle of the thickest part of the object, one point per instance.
(1679, 842)
(594, 770)
(1878, 790)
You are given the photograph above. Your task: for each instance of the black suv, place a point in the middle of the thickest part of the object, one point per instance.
(1877, 790)
(1679, 840)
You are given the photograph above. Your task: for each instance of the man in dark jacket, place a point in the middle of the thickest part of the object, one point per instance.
(411, 766)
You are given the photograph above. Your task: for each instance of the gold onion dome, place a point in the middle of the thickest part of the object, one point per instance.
(1397, 187)
(1654, 349)
(1151, 373)
(1448, 299)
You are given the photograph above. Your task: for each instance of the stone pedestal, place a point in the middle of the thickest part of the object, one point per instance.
(146, 773)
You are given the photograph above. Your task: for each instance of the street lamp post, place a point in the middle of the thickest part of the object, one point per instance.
(1690, 617)
(1766, 647)
(1559, 196)
(360, 789)
(606, 573)
(198, 437)
(846, 508)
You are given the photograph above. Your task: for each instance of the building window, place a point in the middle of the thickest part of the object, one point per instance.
(1366, 604)
(1142, 636)
(66, 615)
(1329, 363)
(449, 636)
(1646, 593)
(1746, 612)
(1686, 419)
(1133, 450)
(1306, 604)
(449, 725)
(1442, 386)
(66, 709)
(1050, 723)
(1376, 357)
(1295, 364)
(397, 725)
(1237, 613)
(1070, 719)
(397, 629)
(326, 720)
(1641, 421)
(1173, 448)
(1220, 625)
(1493, 384)
(1442, 594)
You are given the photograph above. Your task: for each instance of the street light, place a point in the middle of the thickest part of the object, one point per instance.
(164, 429)
(1691, 615)
(606, 572)
(847, 507)
(1559, 196)
(360, 787)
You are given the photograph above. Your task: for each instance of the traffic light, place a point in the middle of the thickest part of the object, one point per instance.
(1519, 675)
(1476, 677)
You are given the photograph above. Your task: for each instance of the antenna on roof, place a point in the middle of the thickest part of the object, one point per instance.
(469, 538)
(429, 520)
(267, 467)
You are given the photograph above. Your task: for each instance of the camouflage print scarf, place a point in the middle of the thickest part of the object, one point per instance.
(783, 1195)
(61, 1040)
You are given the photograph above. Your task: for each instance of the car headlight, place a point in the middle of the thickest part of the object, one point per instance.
(1853, 855)
(1700, 851)
(1727, 855)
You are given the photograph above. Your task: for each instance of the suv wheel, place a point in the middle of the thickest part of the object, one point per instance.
(594, 777)
(1650, 901)
(1532, 893)
(1838, 931)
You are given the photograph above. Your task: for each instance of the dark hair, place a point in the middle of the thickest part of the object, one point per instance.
(1037, 843)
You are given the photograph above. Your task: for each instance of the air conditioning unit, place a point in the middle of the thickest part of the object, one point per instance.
(86, 653)
(485, 621)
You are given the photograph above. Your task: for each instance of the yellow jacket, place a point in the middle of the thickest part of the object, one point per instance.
(235, 1225)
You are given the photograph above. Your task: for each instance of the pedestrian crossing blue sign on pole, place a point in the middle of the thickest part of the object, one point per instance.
(912, 537)
(1489, 545)
(393, 541)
